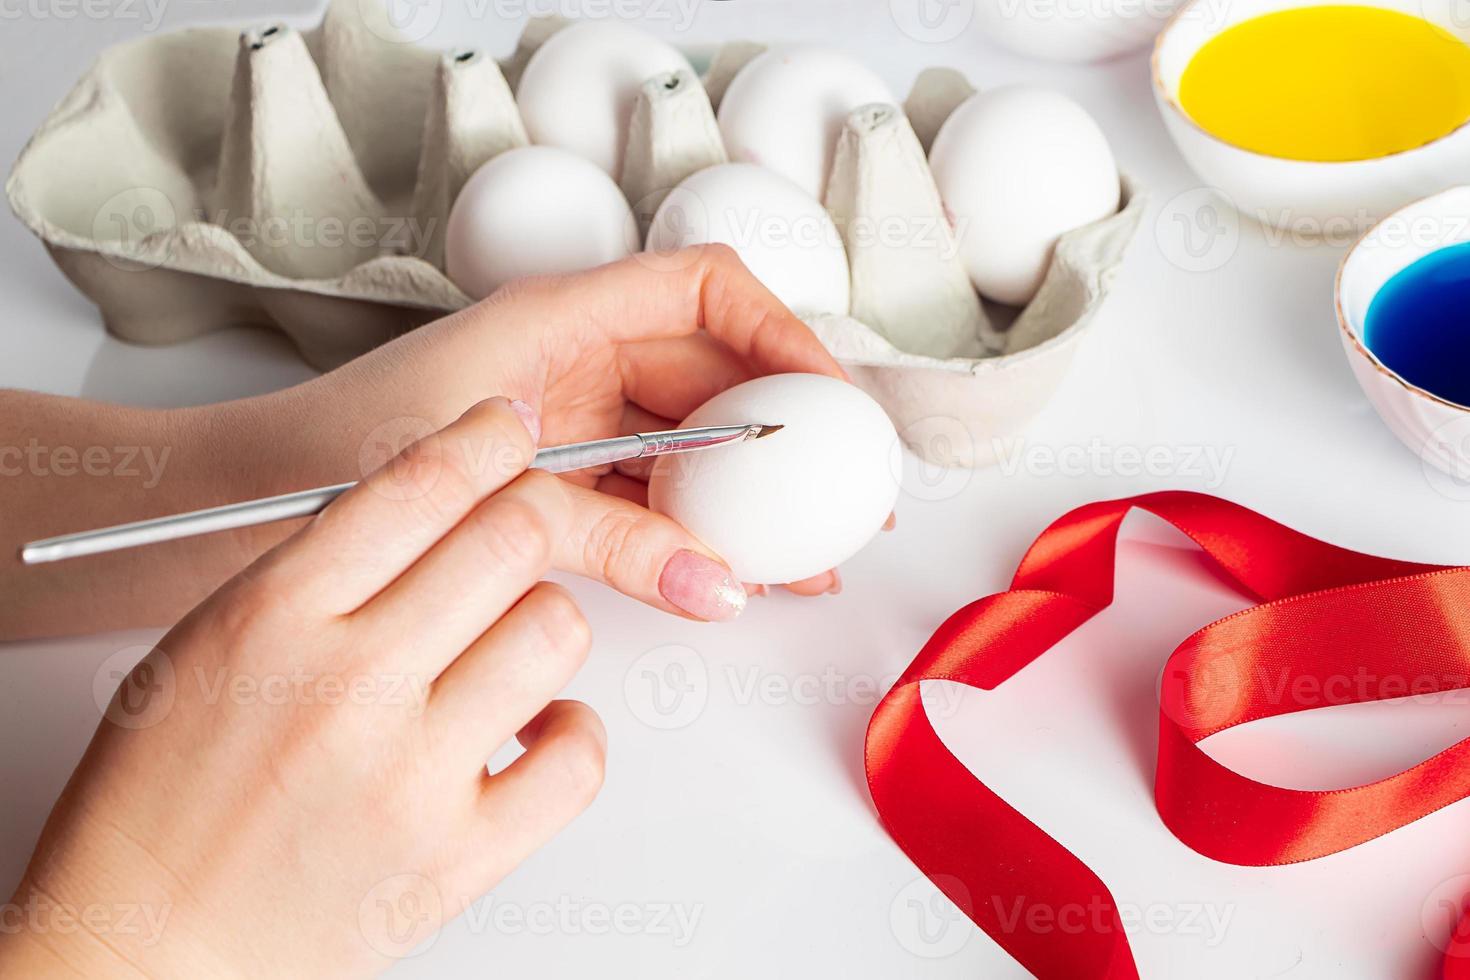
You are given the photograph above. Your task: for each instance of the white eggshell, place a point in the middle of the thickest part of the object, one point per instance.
(1018, 167)
(782, 234)
(785, 109)
(797, 502)
(1094, 33)
(579, 88)
(535, 210)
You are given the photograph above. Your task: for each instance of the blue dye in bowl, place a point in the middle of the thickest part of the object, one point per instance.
(1418, 324)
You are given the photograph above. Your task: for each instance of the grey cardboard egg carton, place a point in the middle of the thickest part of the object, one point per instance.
(209, 178)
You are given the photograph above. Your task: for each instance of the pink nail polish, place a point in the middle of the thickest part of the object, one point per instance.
(701, 587)
(529, 418)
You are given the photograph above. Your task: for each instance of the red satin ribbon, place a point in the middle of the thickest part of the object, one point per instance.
(1334, 627)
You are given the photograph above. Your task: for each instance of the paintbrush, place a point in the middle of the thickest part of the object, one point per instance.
(304, 503)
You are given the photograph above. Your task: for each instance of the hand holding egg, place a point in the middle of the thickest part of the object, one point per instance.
(798, 501)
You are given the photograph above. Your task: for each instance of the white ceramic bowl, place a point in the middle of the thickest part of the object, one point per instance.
(1073, 30)
(1437, 429)
(1322, 199)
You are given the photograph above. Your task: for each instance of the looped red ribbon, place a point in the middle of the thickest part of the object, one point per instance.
(1325, 613)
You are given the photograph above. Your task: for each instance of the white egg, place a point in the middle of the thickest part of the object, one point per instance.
(782, 234)
(579, 88)
(535, 210)
(785, 109)
(1018, 167)
(1095, 32)
(796, 502)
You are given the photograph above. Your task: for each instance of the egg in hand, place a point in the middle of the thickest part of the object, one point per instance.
(795, 502)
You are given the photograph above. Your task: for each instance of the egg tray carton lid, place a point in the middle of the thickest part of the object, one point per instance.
(209, 178)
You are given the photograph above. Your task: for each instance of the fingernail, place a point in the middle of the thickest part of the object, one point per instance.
(753, 589)
(836, 587)
(891, 523)
(528, 418)
(701, 587)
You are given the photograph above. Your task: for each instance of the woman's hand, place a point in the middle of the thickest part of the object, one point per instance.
(293, 783)
(634, 346)
(628, 347)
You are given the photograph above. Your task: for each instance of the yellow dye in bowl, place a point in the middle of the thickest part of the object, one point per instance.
(1329, 83)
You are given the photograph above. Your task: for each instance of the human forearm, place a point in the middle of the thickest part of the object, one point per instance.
(68, 465)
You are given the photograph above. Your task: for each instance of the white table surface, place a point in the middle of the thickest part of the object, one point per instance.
(735, 836)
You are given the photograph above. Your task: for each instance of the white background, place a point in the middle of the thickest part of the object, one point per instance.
(751, 818)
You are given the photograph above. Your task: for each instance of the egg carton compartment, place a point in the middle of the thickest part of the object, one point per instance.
(302, 180)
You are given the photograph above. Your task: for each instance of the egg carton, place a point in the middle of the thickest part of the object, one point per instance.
(211, 178)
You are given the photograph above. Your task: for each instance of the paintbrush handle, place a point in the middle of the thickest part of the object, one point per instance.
(585, 455)
(305, 503)
(248, 513)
